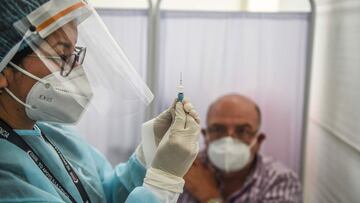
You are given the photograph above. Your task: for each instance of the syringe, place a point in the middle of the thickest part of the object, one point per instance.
(180, 89)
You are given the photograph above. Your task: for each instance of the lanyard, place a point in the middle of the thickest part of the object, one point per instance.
(7, 133)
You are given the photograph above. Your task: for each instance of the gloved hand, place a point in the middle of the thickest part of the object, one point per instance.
(162, 123)
(176, 154)
(159, 126)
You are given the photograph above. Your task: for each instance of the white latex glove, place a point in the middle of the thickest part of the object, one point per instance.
(176, 154)
(163, 122)
(159, 126)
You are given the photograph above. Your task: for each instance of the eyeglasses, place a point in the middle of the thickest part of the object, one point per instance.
(68, 62)
(217, 131)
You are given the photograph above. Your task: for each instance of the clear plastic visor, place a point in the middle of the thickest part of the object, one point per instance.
(71, 41)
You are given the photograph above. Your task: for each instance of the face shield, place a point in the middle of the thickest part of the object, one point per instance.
(84, 66)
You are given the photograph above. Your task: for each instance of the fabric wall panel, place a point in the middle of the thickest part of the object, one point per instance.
(260, 55)
(332, 168)
(333, 141)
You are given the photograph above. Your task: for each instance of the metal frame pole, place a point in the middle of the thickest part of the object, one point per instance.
(310, 47)
(153, 54)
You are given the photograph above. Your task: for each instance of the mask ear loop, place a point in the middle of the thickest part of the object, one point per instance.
(28, 74)
(252, 144)
(256, 134)
(17, 99)
(47, 85)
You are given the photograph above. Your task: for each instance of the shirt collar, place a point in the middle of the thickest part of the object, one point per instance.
(252, 178)
(34, 132)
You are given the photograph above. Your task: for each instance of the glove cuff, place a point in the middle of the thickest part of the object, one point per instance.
(140, 155)
(164, 180)
(148, 145)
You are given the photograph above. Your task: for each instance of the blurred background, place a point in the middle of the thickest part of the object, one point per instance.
(298, 59)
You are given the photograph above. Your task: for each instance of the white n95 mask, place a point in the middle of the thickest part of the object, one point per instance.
(55, 100)
(229, 154)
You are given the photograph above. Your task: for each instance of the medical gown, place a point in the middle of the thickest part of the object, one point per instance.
(22, 181)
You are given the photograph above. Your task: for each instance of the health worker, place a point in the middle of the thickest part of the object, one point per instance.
(58, 60)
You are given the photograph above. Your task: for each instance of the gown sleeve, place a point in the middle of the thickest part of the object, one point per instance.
(124, 183)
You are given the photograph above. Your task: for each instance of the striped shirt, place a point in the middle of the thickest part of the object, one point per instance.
(269, 182)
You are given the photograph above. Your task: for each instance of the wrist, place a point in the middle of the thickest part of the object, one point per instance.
(212, 197)
(213, 200)
(164, 180)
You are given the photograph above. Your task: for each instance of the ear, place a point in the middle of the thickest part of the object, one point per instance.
(203, 132)
(4, 78)
(9, 74)
(260, 139)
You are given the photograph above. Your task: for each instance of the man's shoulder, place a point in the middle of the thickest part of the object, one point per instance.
(270, 164)
(274, 172)
(277, 181)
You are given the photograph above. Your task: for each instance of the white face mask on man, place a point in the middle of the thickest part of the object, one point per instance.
(229, 154)
(54, 100)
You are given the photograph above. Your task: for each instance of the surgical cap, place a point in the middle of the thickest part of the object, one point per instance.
(10, 12)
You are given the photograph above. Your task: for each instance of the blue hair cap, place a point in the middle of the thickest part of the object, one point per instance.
(10, 12)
